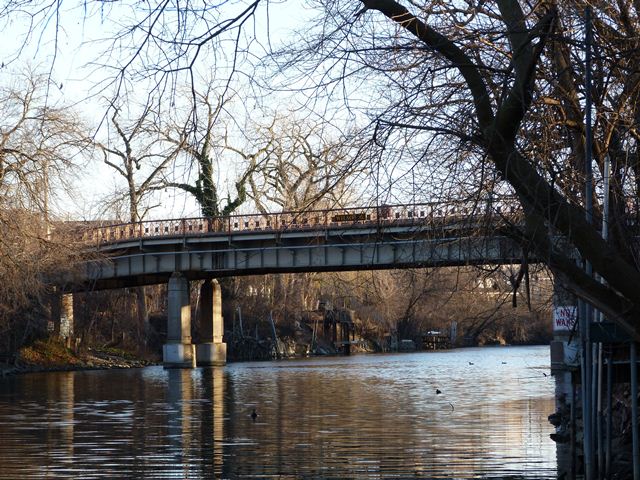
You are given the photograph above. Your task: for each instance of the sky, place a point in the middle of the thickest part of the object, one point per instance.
(73, 53)
(83, 64)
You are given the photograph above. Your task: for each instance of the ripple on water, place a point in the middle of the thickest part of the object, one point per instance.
(375, 416)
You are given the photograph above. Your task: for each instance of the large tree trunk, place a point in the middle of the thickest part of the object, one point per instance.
(549, 215)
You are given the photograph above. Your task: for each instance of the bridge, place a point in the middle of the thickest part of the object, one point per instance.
(376, 237)
(399, 236)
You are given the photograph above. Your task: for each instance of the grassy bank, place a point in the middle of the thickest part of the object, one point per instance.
(51, 355)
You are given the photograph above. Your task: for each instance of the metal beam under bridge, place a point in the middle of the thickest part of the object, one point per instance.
(151, 261)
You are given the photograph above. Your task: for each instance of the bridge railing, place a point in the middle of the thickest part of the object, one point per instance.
(419, 213)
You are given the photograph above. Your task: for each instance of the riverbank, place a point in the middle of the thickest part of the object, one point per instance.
(52, 356)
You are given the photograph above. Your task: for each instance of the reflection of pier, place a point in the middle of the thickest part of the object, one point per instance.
(213, 412)
(192, 411)
(179, 423)
(61, 417)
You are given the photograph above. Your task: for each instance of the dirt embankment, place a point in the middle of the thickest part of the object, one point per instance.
(50, 356)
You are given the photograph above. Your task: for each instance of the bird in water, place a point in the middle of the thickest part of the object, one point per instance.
(254, 415)
(438, 392)
(470, 363)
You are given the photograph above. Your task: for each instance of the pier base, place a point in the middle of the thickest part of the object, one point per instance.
(179, 355)
(211, 354)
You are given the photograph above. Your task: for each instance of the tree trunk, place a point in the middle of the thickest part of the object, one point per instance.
(143, 315)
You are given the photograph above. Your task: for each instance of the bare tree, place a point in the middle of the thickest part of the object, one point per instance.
(286, 164)
(302, 168)
(495, 89)
(495, 93)
(154, 47)
(41, 146)
(140, 157)
(203, 144)
(296, 167)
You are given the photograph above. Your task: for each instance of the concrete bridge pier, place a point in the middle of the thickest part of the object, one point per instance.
(178, 352)
(66, 319)
(62, 317)
(213, 351)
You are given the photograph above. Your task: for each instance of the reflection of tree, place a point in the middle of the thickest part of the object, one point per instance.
(329, 417)
(318, 418)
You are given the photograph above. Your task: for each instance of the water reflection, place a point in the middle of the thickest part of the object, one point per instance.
(358, 417)
(212, 415)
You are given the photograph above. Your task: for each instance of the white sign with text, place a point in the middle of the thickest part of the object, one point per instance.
(564, 318)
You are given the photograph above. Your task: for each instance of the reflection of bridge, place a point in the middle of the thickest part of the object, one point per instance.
(176, 251)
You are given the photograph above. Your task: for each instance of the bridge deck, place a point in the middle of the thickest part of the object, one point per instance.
(332, 240)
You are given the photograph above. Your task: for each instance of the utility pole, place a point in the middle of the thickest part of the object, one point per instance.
(587, 356)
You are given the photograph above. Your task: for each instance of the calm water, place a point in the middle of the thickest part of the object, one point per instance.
(365, 416)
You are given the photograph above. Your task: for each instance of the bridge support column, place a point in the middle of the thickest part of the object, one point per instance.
(66, 319)
(178, 352)
(213, 351)
(62, 317)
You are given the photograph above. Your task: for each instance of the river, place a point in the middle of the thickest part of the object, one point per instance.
(365, 416)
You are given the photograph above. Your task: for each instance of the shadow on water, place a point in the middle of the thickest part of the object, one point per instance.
(358, 417)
